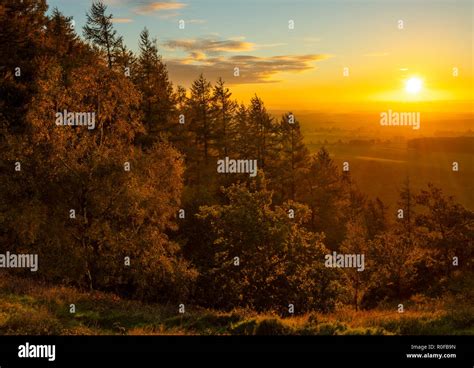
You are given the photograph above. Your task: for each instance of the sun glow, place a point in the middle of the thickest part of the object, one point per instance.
(413, 85)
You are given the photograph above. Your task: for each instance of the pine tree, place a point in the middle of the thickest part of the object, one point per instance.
(243, 144)
(264, 133)
(202, 122)
(293, 159)
(326, 194)
(223, 110)
(64, 45)
(158, 99)
(376, 218)
(99, 30)
(125, 59)
(22, 25)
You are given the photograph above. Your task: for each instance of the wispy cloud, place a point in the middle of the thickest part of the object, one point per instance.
(155, 7)
(216, 57)
(210, 46)
(252, 69)
(122, 20)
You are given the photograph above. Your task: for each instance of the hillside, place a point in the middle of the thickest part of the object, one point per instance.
(28, 308)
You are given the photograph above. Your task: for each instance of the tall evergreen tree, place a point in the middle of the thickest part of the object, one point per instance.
(327, 196)
(158, 100)
(376, 218)
(202, 122)
(224, 110)
(293, 159)
(264, 133)
(99, 30)
(22, 25)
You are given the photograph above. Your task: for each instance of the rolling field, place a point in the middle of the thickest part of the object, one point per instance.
(380, 172)
(380, 161)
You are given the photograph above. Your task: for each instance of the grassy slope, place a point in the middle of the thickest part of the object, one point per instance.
(33, 308)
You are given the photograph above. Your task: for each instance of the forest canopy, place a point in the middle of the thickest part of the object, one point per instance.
(134, 203)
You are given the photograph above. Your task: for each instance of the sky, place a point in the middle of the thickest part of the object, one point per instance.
(350, 55)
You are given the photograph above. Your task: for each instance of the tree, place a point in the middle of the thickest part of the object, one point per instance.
(99, 29)
(447, 231)
(326, 195)
(21, 41)
(263, 133)
(407, 205)
(356, 243)
(293, 159)
(376, 218)
(244, 138)
(158, 99)
(92, 197)
(278, 262)
(125, 59)
(201, 118)
(223, 110)
(394, 269)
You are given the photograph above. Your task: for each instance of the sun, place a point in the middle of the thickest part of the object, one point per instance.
(413, 85)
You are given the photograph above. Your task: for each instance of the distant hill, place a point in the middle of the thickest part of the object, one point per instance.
(442, 144)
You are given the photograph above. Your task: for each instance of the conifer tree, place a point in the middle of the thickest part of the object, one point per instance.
(158, 99)
(99, 30)
(202, 122)
(293, 159)
(223, 109)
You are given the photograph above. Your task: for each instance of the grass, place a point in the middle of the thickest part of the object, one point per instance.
(33, 308)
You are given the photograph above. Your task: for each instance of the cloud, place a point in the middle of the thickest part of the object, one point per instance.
(210, 46)
(197, 55)
(215, 57)
(252, 69)
(154, 7)
(122, 20)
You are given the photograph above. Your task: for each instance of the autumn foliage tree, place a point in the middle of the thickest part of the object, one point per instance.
(262, 258)
(96, 207)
